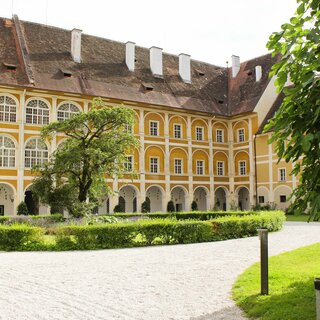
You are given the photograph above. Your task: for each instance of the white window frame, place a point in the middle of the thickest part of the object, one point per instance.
(7, 154)
(41, 115)
(240, 167)
(128, 128)
(221, 168)
(202, 133)
(174, 130)
(150, 129)
(175, 167)
(198, 168)
(222, 136)
(152, 165)
(67, 114)
(130, 163)
(35, 156)
(280, 176)
(244, 135)
(8, 112)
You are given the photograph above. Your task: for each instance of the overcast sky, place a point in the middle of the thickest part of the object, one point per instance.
(208, 30)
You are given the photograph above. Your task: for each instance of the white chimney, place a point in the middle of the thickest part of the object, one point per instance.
(156, 61)
(130, 55)
(76, 45)
(184, 67)
(258, 73)
(235, 65)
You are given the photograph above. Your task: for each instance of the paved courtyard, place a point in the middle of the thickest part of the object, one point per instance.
(168, 282)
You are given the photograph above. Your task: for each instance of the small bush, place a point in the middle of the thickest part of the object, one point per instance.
(117, 208)
(145, 206)
(194, 206)
(170, 206)
(22, 209)
(39, 220)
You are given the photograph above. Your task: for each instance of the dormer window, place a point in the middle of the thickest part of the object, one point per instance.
(147, 86)
(9, 66)
(66, 73)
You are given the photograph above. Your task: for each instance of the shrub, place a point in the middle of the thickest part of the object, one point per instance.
(170, 206)
(22, 209)
(194, 206)
(117, 208)
(20, 237)
(145, 206)
(91, 219)
(39, 220)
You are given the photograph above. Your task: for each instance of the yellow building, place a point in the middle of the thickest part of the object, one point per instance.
(199, 125)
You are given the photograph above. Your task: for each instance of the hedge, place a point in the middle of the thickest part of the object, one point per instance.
(194, 215)
(20, 237)
(32, 219)
(165, 231)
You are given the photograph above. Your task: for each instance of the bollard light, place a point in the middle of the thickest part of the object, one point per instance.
(264, 268)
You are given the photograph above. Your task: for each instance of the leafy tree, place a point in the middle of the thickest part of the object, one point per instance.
(194, 205)
(145, 206)
(22, 209)
(95, 147)
(170, 206)
(296, 124)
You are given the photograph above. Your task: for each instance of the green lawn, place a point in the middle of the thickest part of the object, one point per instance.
(303, 217)
(291, 288)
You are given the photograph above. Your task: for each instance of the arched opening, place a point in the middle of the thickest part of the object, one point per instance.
(243, 199)
(221, 199)
(178, 196)
(155, 196)
(6, 200)
(128, 199)
(200, 197)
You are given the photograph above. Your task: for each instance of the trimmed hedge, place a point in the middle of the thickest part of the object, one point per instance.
(165, 231)
(192, 215)
(20, 237)
(52, 218)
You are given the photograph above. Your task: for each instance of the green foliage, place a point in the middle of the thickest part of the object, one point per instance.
(95, 147)
(170, 206)
(39, 220)
(145, 206)
(117, 208)
(291, 280)
(92, 219)
(296, 124)
(20, 237)
(22, 209)
(194, 206)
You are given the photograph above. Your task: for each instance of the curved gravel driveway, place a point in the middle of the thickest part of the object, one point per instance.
(161, 283)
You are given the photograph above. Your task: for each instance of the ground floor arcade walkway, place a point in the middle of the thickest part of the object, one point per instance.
(152, 283)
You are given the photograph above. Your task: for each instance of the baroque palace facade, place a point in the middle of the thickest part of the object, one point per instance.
(199, 125)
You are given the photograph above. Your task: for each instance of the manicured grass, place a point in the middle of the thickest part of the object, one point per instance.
(291, 288)
(303, 217)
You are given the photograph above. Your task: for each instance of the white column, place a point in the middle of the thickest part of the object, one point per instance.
(189, 196)
(86, 106)
(211, 200)
(141, 162)
(270, 158)
(166, 162)
(20, 150)
(53, 118)
(252, 168)
(232, 197)
(115, 196)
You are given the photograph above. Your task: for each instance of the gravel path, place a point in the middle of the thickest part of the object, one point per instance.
(161, 283)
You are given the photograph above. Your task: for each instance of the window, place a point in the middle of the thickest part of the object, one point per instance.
(37, 112)
(261, 199)
(241, 136)
(7, 152)
(128, 164)
(220, 168)
(199, 133)
(36, 153)
(178, 166)
(283, 198)
(153, 128)
(200, 167)
(177, 128)
(66, 111)
(8, 109)
(282, 174)
(219, 135)
(242, 168)
(154, 165)
(128, 128)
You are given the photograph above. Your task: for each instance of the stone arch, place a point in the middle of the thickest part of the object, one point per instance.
(243, 197)
(198, 122)
(154, 151)
(199, 154)
(220, 156)
(7, 199)
(239, 125)
(33, 204)
(129, 194)
(176, 119)
(154, 116)
(179, 197)
(221, 198)
(179, 153)
(279, 193)
(222, 126)
(241, 155)
(201, 197)
(155, 193)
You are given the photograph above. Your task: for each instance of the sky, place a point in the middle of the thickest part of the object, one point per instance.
(208, 30)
